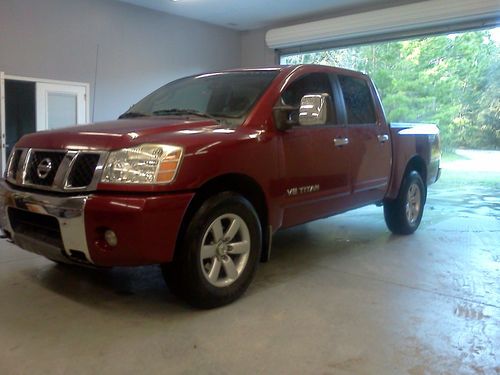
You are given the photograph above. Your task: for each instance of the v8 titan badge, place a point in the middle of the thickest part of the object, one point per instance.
(302, 190)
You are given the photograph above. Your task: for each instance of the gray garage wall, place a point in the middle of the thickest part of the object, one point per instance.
(139, 49)
(254, 50)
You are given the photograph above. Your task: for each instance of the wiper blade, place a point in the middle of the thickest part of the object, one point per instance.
(225, 115)
(133, 115)
(177, 111)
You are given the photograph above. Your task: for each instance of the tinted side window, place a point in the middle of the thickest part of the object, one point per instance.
(358, 100)
(314, 83)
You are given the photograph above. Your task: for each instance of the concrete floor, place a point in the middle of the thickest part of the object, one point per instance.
(340, 296)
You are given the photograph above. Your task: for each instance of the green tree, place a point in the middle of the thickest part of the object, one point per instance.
(451, 80)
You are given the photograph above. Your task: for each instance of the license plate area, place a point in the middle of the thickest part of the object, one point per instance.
(43, 228)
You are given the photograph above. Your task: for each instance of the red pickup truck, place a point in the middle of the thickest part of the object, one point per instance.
(198, 175)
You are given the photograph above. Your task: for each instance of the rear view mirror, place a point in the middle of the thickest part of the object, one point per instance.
(314, 109)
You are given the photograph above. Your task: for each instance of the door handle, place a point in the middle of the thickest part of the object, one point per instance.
(339, 142)
(383, 138)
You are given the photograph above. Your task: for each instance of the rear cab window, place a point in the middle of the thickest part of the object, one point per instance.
(358, 100)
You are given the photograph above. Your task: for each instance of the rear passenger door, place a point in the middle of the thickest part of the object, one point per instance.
(315, 162)
(370, 151)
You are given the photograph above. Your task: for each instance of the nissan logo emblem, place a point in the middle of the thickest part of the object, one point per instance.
(44, 168)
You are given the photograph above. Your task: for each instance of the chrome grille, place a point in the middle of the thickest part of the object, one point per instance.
(13, 164)
(52, 160)
(56, 170)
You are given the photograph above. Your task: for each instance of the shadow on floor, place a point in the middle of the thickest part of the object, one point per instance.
(142, 289)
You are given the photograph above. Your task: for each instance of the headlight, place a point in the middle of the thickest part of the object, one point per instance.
(144, 164)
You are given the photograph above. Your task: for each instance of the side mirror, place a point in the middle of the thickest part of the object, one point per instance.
(314, 109)
(283, 117)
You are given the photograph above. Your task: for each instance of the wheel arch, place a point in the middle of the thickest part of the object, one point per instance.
(417, 163)
(414, 163)
(237, 183)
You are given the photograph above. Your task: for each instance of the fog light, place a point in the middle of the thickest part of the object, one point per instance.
(111, 238)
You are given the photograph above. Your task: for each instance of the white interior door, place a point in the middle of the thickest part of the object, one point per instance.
(60, 105)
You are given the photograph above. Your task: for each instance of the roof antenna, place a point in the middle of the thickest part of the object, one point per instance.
(95, 82)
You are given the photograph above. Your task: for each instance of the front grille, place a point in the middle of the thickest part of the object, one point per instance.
(83, 170)
(51, 158)
(42, 227)
(56, 170)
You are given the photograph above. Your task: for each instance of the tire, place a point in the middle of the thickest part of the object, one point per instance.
(218, 254)
(403, 214)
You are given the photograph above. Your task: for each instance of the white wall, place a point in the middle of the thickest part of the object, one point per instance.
(254, 50)
(139, 49)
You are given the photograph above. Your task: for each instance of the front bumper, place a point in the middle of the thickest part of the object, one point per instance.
(71, 228)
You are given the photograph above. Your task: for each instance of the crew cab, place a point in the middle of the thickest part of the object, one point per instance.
(198, 175)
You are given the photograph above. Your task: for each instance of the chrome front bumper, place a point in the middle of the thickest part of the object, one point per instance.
(69, 212)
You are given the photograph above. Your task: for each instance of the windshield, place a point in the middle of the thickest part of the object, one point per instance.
(228, 95)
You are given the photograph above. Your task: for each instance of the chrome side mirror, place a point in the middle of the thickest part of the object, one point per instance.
(314, 109)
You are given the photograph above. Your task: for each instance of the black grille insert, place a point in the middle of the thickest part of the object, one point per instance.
(83, 169)
(42, 227)
(55, 159)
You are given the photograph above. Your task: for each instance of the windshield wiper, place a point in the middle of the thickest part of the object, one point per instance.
(178, 111)
(133, 115)
(225, 115)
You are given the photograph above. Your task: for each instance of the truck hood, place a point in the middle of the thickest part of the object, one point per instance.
(128, 133)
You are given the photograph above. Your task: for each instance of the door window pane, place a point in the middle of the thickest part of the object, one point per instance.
(314, 83)
(358, 100)
(62, 110)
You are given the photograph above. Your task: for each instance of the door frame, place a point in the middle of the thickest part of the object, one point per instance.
(4, 77)
(41, 100)
(2, 122)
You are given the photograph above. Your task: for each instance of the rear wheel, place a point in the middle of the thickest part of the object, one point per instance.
(219, 252)
(403, 214)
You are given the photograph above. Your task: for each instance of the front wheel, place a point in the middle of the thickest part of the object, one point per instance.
(403, 214)
(218, 254)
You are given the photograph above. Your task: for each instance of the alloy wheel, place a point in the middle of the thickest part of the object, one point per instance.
(225, 250)
(413, 203)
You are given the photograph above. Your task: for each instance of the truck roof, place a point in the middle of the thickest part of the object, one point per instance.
(290, 68)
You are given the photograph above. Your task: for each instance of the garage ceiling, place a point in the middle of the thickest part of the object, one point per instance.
(246, 14)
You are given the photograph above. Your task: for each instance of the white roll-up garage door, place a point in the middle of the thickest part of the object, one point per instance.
(414, 18)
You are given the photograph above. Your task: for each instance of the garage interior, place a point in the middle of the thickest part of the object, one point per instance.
(339, 296)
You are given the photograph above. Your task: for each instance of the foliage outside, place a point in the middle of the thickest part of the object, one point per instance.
(450, 80)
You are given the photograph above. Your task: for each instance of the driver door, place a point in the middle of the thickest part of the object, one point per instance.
(315, 157)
